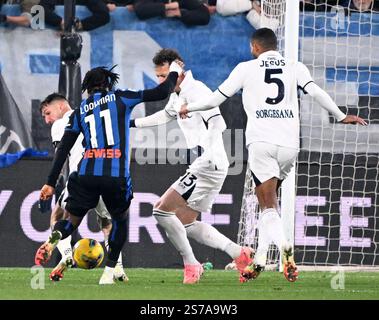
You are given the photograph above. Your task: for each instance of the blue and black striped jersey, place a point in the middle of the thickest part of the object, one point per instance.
(103, 119)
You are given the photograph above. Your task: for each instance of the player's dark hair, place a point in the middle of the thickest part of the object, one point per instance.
(100, 79)
(51, 98)
(266, 38)
(166, 55)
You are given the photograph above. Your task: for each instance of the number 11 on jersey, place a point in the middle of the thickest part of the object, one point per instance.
(106, 115)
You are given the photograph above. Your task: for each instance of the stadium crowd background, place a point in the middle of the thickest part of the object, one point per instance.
(190, 12)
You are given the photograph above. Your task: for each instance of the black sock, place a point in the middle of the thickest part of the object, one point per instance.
(116, 241)
(65, 227)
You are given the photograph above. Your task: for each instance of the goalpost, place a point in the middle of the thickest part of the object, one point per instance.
(330, 201)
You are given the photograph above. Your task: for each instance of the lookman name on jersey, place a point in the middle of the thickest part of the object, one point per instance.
(273, 113)
(92, 105)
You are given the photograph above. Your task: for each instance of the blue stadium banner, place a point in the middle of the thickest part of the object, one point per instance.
(15, 139)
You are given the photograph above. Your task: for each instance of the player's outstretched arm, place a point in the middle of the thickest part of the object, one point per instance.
(327, 103)
(226, 90)
(165, 88)
(156, 119)
(354, 120)
(214, 100)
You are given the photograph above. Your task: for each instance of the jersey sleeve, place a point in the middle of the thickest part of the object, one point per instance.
(303, 76)
(209, 114)
(57, 130)
(161, 91)
(130, 98)
(170, 107)
(202, 94)
(73, 124)
(234, 82)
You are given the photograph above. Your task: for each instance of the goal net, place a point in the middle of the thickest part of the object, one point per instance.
(337, 175)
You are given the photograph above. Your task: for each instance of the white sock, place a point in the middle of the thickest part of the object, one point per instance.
(206, 234)
(176, 233)
(272, 225)
(106, 244)
(264, 242)
(119, 260)
(64, 247)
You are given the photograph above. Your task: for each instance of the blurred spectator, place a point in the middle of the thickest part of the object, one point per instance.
(253, 9)
(228, 8)
(100, 14)
(112, 5)
(25, 18)
(360, 5)
(190, 12)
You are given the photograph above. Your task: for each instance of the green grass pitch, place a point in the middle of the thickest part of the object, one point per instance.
(165, 284)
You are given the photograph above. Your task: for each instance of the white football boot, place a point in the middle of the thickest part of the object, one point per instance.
(107, 276)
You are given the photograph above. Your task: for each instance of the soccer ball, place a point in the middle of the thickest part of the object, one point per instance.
(88, 254)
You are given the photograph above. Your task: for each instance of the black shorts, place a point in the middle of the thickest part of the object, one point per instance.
(84, 193)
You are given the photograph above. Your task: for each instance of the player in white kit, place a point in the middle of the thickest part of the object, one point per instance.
(56, 111)
(195, 191)
(270, 100)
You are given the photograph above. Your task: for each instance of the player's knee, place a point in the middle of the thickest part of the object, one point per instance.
(185, 219)
(157, 204)
(161, 205)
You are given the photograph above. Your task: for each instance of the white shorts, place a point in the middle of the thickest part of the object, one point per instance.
(267, 161)
(100, 209)
(200, 185)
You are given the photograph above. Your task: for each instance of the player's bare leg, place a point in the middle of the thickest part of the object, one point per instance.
(165, 213)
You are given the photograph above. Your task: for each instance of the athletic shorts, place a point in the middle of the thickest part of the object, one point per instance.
(84, 194)
(267, 161)
(100, 209)
(200, 185)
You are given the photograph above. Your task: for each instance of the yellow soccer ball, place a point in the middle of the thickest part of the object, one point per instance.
(88, 254)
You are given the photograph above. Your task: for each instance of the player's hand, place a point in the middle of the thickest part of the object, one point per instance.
(46, 192)
(175, 67)
(183, 112)
(180, 63)
(350, 119)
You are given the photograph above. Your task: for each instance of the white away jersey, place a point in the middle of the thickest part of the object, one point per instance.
(57, 131)
(195, 127)
(269, 97)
